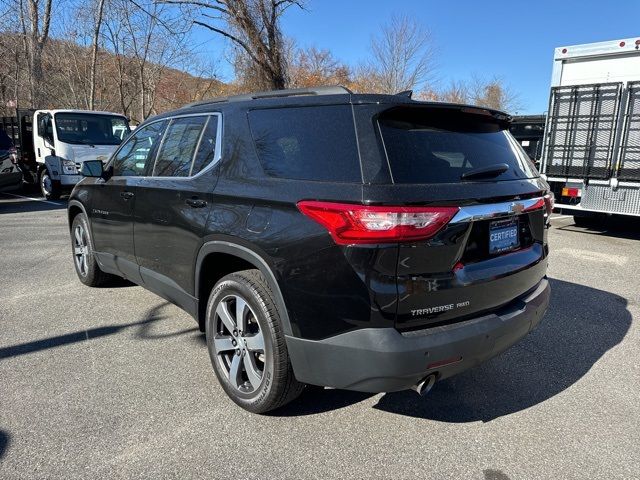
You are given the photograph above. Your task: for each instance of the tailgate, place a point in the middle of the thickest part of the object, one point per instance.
(478, 263)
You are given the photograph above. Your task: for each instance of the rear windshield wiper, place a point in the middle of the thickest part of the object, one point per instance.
(489, 171)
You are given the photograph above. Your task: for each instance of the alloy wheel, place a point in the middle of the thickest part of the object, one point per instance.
(81, 249)
(239, 343)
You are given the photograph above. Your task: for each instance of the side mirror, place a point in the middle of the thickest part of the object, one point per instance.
(92, 168)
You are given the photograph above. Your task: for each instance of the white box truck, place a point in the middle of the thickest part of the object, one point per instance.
(63, 139)
(591, 152)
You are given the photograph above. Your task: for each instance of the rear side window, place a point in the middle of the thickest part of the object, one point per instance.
(178, 147)
(307, 143)
(207, 147)
(436, 145)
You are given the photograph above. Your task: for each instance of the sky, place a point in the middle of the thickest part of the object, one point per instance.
(513, 39)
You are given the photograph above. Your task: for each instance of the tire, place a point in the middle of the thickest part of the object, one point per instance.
(84, 262)
(254, 347)
(49, 188)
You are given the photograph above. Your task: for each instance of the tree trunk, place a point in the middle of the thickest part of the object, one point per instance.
(36, 84)
(94, 55)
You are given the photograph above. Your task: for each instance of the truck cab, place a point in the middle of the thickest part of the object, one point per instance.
(64, 139)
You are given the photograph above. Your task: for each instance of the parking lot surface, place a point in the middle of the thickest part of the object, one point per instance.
(116, 382)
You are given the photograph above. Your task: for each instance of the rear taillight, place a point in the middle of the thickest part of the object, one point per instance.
(357, 224)
(571, 192)
(549, 202)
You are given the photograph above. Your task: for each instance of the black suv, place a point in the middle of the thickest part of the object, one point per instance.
(363, 242)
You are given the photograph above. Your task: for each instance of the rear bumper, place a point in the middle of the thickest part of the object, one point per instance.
(384, 360)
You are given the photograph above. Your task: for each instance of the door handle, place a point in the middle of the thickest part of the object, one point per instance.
(195, 202)
(126, 195)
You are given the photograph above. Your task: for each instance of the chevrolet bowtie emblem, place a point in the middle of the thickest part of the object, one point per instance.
(517, 207)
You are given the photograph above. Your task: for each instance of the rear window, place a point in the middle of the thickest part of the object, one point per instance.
(436, 145)
(307, 143)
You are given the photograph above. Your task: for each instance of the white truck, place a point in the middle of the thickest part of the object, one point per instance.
(591, 152)
(63, 139)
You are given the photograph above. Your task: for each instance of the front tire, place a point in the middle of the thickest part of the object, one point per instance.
(84, 261)
(246, 343)
(49, 188)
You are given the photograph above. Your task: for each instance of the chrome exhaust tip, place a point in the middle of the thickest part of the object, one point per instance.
(425, 385)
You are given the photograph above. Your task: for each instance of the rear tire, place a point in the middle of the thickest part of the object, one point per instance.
(84, 261)
(49, 188)
(246, 343)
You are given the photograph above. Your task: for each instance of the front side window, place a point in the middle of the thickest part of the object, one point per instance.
(45, 129)
(138, 151)
(90, 128)
(178, 147)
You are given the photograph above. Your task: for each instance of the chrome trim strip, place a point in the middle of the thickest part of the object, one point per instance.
(472, 213)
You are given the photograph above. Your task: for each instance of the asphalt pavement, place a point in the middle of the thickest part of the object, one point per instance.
(116, 383)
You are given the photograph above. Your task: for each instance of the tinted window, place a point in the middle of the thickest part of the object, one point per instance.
(90, 128)
(138, 151)
(307, 143)
(178, 147)
(45, 128)
(431, 145)
(207, 148)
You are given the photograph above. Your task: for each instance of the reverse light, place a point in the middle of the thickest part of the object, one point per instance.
(361, 224)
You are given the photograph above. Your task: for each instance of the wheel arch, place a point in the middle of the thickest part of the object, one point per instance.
(73, 209)
(236, 257)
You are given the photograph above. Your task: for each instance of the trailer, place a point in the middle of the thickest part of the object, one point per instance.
(591, 150)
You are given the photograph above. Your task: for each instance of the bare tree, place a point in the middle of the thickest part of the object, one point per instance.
(312, 66)
(147, 40)
(94, 53)
(403, 57)
(253, 26)
(11, 53)
(493, 93)
(35, 20)
(116, 42)
(457, 92)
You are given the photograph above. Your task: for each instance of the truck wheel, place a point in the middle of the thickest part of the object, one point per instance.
(84, 262)
(246, 343)
(50, 188)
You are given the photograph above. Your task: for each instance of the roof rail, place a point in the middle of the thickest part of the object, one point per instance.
(293, 92)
